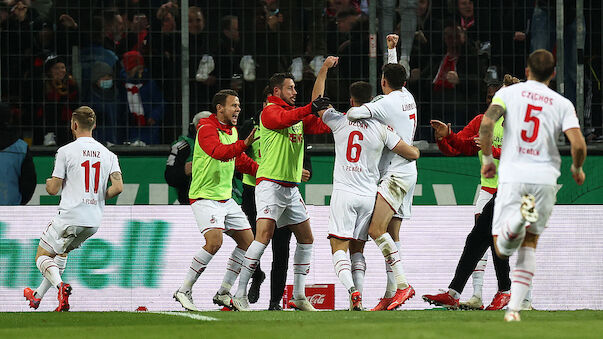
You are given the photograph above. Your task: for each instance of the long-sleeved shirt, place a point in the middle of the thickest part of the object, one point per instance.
(463, 143)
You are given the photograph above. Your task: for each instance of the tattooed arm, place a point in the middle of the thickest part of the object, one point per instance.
(486, 129)
(117, 185)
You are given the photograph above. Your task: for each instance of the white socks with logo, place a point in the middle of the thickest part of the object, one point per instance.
(233, 268)
(49, 270)
(252, 258)
(343, 269)
(198, 265)
(61, 263)
(301, 267)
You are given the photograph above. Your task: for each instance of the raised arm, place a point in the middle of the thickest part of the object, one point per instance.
(319, 84)
(578, 149)
(392, 54)
(117, 185)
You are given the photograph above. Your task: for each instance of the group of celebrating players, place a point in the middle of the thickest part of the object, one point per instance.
(372, 186)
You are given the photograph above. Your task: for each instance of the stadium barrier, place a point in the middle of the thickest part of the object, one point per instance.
(441, 181)
(140, 255)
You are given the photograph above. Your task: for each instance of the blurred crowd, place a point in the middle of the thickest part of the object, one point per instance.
(124, 58)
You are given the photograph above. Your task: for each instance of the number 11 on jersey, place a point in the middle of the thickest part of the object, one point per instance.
(86, 166)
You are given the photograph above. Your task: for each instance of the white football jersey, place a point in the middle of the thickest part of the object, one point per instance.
(85, 166)
(398, 110)
(534, 117)
(358, 148)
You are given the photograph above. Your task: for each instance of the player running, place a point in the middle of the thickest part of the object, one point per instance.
(358, 148)
(82, 169)
(278, 201)
(396, 108)
(529, 166)
(216, 147)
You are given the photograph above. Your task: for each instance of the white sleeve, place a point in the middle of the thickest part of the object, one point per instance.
(356, 113)
(570, 119)
(377, 111)
(60, 165)
(392, 56)
(390, 138)
(332, 118)
(115, 165)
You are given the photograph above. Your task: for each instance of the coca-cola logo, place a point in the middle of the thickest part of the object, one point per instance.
(317, 299)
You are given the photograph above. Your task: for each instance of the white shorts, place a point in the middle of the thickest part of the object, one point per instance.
(61, 238)
(279, 203)
(482, 199)
(397, 189)
(226, 216)
(507, 214)
(350, 215)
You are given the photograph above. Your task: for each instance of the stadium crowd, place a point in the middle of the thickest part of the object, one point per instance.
(123, 58)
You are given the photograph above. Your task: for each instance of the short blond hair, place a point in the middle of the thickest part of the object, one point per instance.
(85, 117)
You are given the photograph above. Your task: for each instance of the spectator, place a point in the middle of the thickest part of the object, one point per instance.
(230, 51)
(201, 61)
(456, 77)
(145, 101)
(179, 165)
(105, 101)
(17, 173)
(55, 102)
(114, 32)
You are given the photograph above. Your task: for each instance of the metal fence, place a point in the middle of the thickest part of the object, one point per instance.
(147, 66)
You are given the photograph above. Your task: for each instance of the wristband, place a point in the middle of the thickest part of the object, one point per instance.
(487, 159)
(575, 169)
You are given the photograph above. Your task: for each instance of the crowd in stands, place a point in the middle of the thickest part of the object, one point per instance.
(124, 58)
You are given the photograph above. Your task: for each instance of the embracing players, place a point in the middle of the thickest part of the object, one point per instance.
(358, 148)
(396, 108)
(82, 169)
(529, 165)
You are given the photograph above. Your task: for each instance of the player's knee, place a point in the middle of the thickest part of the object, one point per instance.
(375, 233)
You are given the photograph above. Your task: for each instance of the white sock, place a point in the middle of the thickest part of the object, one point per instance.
(252, 258)
(198, 265)
(301, 267)
(390, 288)
(522, 276)
(233, 268)
(358, 270)
(49, 270)
(478, 275)
(343, 269)
(45, 284)
(391, 254)
(454, 294)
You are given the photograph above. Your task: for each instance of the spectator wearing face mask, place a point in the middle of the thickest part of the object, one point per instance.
(104, 100)
(145, 104)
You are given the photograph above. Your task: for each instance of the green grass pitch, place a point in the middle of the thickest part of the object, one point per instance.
(337, 324)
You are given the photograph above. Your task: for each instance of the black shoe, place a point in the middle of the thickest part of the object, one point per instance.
(275, 307)
(254, 290)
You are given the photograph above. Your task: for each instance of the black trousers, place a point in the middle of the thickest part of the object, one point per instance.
(280, 247)
(476, 245)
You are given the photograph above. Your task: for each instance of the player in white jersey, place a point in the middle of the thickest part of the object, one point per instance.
(529, 166)
(396, 108)
(82, 169)
(358, 149)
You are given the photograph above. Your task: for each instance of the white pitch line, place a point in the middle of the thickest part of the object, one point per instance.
(188, 315)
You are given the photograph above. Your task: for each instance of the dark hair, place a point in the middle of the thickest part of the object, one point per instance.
(85, 117)
(541, 64)
(361, 91)
(395, 74)
(220, 98)
(277, 80)
(227, 21)
(266, 92)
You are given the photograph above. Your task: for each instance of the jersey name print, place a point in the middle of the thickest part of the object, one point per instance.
(535, 115)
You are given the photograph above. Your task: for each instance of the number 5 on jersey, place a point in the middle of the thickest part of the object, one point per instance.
(529, 118)
(86, 166)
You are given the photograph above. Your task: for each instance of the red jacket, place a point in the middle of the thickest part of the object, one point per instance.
(462, 142)
(282, 115)
(209, 141)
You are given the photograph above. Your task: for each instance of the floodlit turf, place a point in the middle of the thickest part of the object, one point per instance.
(339, 324)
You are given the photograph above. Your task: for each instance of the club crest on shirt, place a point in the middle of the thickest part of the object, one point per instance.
(213, 219)
(267, 210)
